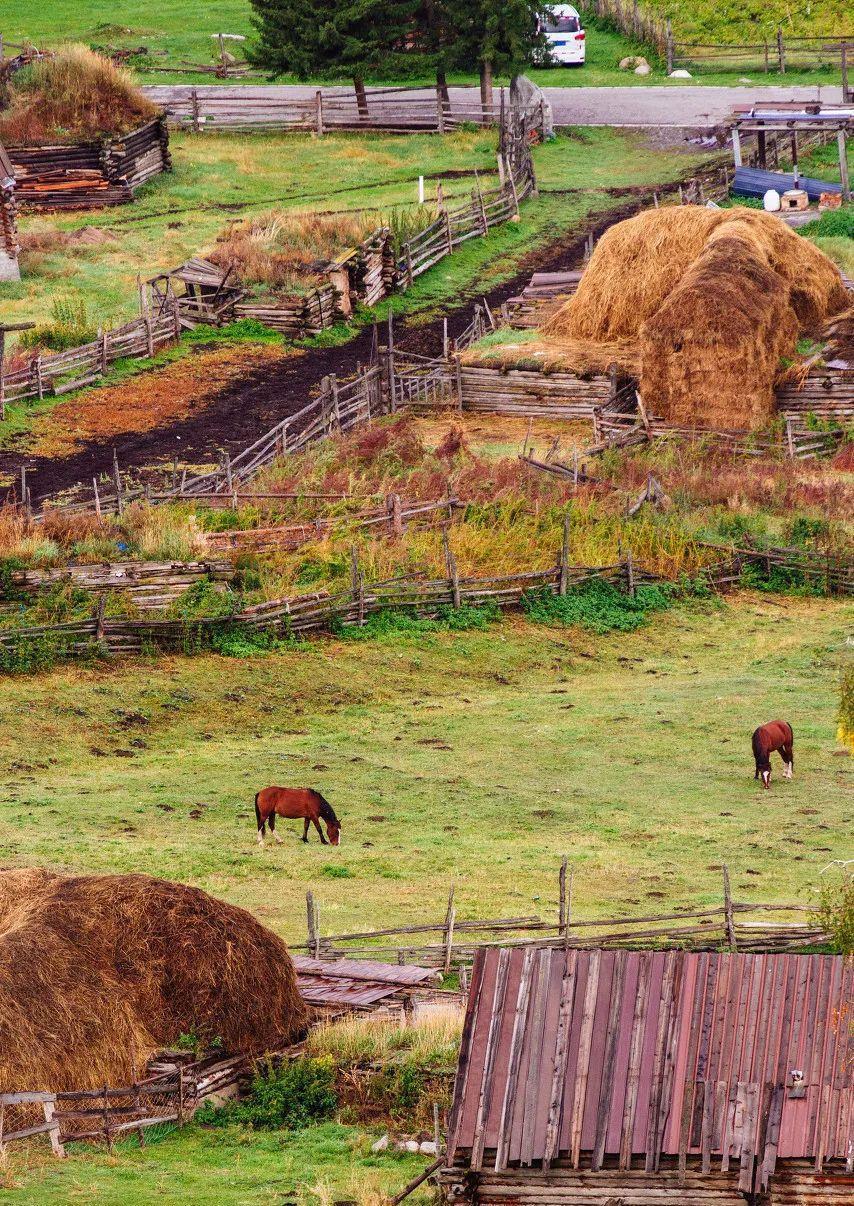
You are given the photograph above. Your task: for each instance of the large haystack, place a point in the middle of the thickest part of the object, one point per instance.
(697, 367)
(98, 971)
(74, 95)
(715, 298)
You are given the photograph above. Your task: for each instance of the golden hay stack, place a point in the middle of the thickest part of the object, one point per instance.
(696, 363)
(698, 313)
(98, 971)
(639, 262)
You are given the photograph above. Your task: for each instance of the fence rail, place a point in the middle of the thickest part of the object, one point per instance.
(733, 925)
(214, 107)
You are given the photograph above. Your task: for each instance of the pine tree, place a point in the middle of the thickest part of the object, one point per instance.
(329, 38)
(493, 36)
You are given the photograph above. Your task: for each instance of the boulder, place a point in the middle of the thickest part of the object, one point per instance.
(680, 74)
(643, 68)
(380, 1145)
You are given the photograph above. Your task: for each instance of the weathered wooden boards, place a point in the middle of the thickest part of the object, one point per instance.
(531, 393)
(150, 585)
(85, 175)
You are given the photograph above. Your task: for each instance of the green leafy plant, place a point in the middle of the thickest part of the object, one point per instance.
(69, 326)
(835, 912)
(290, 1097)
(598, 606)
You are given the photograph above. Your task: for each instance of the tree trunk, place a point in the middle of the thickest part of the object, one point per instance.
(442, 89)
(486, 89)
(361, 96)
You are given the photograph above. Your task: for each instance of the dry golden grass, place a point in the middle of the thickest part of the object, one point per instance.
(74, 95)
(432, 1037)
(557, 354)
(279, 248)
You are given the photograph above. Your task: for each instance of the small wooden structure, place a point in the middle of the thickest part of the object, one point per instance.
(652, 1077)
(87, 175)
(791, 119)
(9, 270)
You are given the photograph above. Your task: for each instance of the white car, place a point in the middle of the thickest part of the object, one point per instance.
(564, 35)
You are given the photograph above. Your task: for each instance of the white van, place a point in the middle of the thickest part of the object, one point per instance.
(564, 35)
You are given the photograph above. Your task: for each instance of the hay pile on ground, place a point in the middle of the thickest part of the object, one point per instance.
(74, 96)
(99, 971)
(699, 289)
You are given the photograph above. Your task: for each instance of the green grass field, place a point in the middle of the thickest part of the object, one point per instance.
(478, 758)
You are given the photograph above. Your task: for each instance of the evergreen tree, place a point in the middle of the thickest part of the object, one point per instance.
(329, 38)
(493, 36)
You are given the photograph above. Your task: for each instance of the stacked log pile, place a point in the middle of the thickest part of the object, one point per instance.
(150, 585)
(90, 174)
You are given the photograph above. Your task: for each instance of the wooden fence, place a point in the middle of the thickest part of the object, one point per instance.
(166, 1098)
(732, 925)
(264, 107)
(150, 585)
(60, 372)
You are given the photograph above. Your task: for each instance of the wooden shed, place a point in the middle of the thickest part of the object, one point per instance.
(633, 1078)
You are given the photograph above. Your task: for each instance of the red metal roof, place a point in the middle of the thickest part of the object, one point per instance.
(356, 983)
(615, 1053)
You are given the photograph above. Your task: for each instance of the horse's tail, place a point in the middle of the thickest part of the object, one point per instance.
(327, 812)
(258, 813)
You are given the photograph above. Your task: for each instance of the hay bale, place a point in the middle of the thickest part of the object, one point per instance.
(638, 263)
(99, 971)
(714, 298)
(710, 353)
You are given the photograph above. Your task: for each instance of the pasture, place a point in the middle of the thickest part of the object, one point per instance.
(475, 757)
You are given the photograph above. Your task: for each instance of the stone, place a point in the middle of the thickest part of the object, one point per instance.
(411, 1145)
(380, 1145)
(428, 1147)
(643, 69)
(680, 74)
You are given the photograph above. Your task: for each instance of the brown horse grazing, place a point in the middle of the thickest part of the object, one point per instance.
(776, 735)
(296, 802)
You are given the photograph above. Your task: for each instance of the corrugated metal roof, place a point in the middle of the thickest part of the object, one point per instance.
(356, 983)
(621, 1053)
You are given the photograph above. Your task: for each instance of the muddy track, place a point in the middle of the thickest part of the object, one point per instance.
(239, 414)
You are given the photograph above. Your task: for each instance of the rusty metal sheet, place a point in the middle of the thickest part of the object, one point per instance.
(707, 1075)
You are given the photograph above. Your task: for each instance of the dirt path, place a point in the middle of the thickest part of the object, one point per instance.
(242, 411)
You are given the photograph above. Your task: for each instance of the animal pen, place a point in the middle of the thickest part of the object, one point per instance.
(642, 1078)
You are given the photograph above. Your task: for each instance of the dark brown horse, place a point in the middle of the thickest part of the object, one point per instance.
(294, 802)
(776, 735)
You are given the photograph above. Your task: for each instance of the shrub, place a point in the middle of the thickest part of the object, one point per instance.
(290, 1097)
(598, 606)
(70, 326)
(845, 732)
(204, 600)
(835, 911)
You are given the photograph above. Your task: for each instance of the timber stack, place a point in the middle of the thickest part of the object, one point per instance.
(88, 175)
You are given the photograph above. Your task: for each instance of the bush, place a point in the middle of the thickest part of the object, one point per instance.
(845, 732)
(598, 606)
(70, 326)
(836, 910)
(290, 1097)
(384, 624)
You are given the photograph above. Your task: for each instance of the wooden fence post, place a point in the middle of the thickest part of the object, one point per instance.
(668, 44)
(843, 166)
(194, 100)
(311, 913)
(318, 113)
(561, 908)
(630, 573)
(781, 51)
(450, 917)
(483, 222)
(564, 555)
(102, 338)
(451, 568)
(440, 112)
(100, 607)
(728, 914)
(458, 376)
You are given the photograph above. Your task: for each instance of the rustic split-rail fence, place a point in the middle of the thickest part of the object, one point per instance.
(450, 941)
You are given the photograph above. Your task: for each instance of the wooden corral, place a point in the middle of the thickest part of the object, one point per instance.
(90, 174)
(653, 1077)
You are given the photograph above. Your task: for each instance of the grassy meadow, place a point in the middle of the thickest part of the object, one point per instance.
(478, 758)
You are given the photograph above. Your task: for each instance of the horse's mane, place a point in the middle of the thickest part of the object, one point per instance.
(327, 812)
